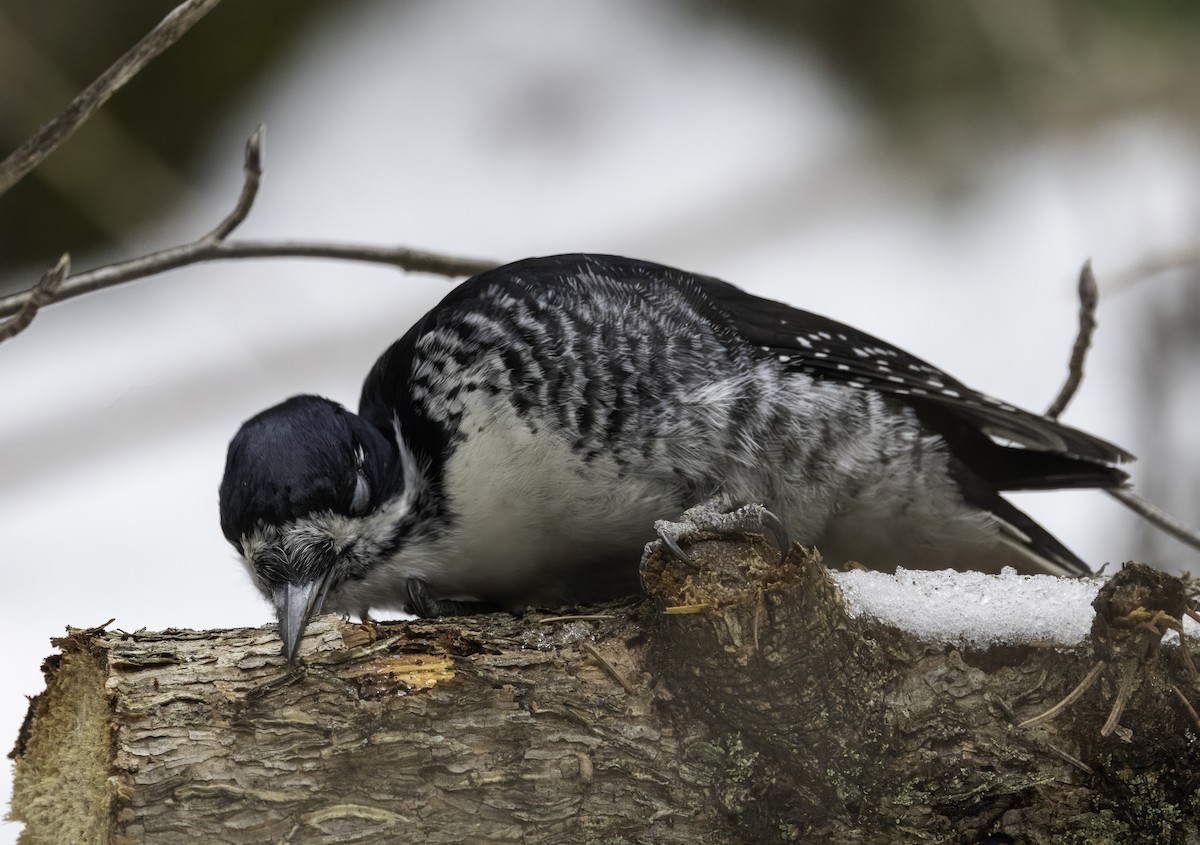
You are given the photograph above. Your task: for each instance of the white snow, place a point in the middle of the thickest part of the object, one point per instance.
(974, 610)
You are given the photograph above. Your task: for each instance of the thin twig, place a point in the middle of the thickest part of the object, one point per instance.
(1012, 718)
(1071, 697)
(292, 674)
(52, 134)
(43, 293)
(1185, 258)
(56, 286)
(1187, 705)
(252, 178)
(1069, 758)
(1041, 682)
(1089, 295)
(1185, 652)
(96, 630)
(608, 668)
(577, 617)
(214, 247)
(200, 252)
(1156, 516)
(352, 655)
(1003, 705)
(1088, 298)
(1124, 692)
(685, 609)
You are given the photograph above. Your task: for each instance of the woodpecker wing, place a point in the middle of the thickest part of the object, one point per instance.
(829, 350)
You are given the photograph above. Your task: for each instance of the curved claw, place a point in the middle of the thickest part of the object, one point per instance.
(672, 545)
(778, 531)
(421, 603)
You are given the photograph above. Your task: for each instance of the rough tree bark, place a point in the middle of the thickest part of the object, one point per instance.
(737, 703)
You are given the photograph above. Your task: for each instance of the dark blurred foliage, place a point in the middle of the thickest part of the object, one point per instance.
(926, 67)
(940, 78)
(133, 157)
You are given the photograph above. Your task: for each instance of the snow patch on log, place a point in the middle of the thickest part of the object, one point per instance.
(976, 610)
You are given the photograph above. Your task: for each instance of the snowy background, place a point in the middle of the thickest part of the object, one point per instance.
(525, 128)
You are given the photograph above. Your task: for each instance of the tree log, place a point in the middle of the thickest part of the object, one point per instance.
(735, 703)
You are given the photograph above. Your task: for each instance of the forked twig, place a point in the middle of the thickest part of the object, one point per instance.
(57, 285)
(1088, 300)
(215, 246)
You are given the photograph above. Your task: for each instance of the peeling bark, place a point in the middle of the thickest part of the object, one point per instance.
(738, 703)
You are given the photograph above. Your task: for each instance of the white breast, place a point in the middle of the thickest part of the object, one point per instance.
(528, 507)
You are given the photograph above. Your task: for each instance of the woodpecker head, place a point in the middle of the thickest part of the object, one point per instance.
(312, 495)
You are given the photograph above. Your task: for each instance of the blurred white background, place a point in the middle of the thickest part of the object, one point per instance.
(535, 127)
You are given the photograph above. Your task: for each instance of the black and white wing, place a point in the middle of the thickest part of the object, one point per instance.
(1049, 455)
(829, 350)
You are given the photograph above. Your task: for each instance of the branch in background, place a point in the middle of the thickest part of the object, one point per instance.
(1156, 517)
(214, 247)
(52, 134)
(1188, 257)
(1089, 295)
(1088, 299)
(251, 179)
(56, 284)
(40, 294)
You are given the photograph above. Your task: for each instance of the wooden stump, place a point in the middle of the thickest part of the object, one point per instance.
(739, 703)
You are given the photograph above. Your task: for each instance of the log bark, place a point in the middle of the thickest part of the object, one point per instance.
(735, 703)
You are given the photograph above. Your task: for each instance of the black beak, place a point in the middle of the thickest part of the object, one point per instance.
(295, 605)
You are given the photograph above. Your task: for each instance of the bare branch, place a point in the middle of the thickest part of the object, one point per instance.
(40, 294)
(1089, 295)
(252, 168)
(200, 252)
(1156, 516)
(1187, 257)
(52, 134)
(214, 247)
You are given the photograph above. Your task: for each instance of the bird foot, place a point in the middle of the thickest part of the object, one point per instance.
(709, 518)
(425, 606)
